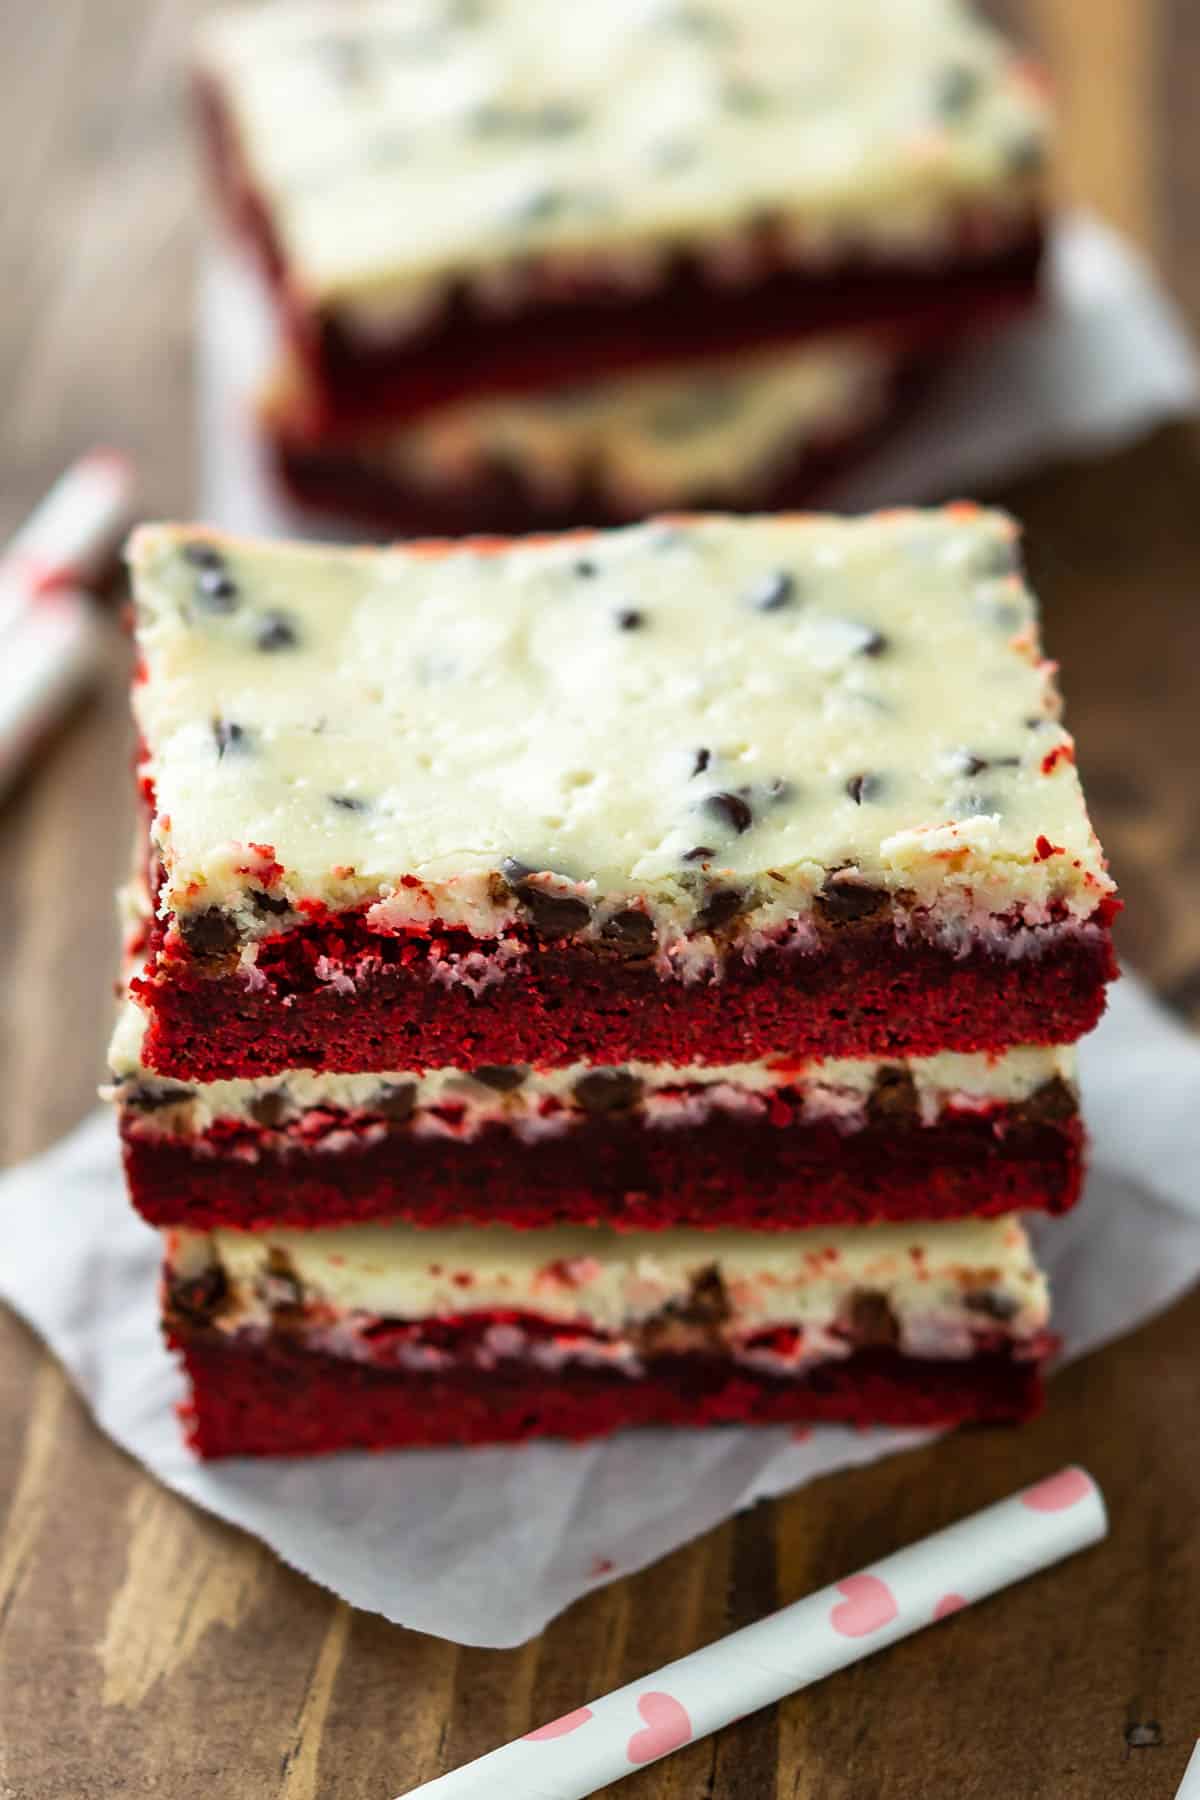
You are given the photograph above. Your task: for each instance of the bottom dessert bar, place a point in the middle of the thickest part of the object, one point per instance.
(283, 1400)
(764, 432)
(380, 1336)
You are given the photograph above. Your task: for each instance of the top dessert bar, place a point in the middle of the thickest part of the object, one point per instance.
(465, 196)
(699, 790)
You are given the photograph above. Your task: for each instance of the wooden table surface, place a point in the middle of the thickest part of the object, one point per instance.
(145, 1648)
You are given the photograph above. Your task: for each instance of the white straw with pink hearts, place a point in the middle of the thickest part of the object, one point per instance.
(50, 635)
(599, 1743)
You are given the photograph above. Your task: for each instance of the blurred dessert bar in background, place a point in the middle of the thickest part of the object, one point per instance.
(508, 239)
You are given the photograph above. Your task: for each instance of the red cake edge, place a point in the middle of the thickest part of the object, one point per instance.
(281, 1400)
(615, 1173)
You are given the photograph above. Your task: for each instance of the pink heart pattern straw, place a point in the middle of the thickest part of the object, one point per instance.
(864, 1612)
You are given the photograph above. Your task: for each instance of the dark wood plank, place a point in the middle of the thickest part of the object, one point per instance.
(144, 1647)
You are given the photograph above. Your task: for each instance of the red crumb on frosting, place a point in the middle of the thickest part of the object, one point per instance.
(1061, 753)
(1045, 849)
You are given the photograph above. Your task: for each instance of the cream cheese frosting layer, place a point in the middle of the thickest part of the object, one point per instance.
(402, 145)
(644, 442)
(535, 1103)
(943, 1285)
(655, 719)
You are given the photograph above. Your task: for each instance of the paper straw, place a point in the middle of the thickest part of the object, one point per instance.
(71, 537)
(608, 1738)
(45, 658)
(1189, 1787)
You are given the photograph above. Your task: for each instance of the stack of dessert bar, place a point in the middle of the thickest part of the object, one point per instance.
(612, 978)
(541, 264)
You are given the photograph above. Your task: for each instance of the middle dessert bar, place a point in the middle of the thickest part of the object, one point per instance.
(685, 792)
(773, 1145)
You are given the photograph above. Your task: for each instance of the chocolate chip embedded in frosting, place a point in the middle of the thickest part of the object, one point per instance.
(280, 1287)
(873, 644)
(349, 803)
(276, 632)
(585, 568)
(1053, 1102)
(720, 906)
(843, 900)
(607, 1090)
(631, 930)
(630, 619)
(270, 1109)
(870, 1321)
(553, 915)
(955, 89)
(230, 736)
(773, 592)
(864, 788)
(992, 1304)
(263, 902)
(700, 761)
(203, 556)
(698, 853)
(893, 1100)
(396, 1101)
(211, 933)
(707, 1300)
(731, 809)
(502, 1078)
(152, 1096)
(216, 591)
(514, 870)
(197, 1299)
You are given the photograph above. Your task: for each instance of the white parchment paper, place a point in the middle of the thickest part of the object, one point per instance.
(1106, 359)
(484, 1546)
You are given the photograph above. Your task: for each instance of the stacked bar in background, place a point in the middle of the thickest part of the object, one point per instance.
(615, 978)
(540, 265)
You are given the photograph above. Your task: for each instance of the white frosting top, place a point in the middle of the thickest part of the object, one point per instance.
(613, 1280)
(644, 718)
(645, 441)
(403, 144)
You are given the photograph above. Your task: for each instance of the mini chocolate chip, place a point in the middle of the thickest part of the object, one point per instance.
(731, 809)
(707, 1302)
(279, 1284)
(629, 619)
(720, 906)
(269, 1109)
(1052, 1102)
(607, 1090)
(991, 1304)
(1144, 1736)
(955, 89)
(843, 901)
(586, 568)
(542, 205)
(198, 1299)
(774, 592)
(874, 644)
(553, 915)
(503, 1078)
(971, 765)
(893, 1099)
(216, 591)
(277, 632)
(514, 871)
(872, 1323)
(263, 902)
(632, 929)
(396, 1101)
(349, 803)
(229, 735)
(698, 853)
(150, 1096)
(209, 933)
(203, 556)
(864, 787)
(701, 760)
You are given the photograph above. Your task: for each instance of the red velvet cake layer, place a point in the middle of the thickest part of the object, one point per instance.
(617, 1171)
(277, 1400)
(406, 1005)
(686, 318)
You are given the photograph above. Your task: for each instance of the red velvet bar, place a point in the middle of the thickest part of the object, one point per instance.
(281, 1400)
(686, 318)
(777, 1174)
(861, 993)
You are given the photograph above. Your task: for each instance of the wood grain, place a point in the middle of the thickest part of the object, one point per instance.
(146, 1648)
